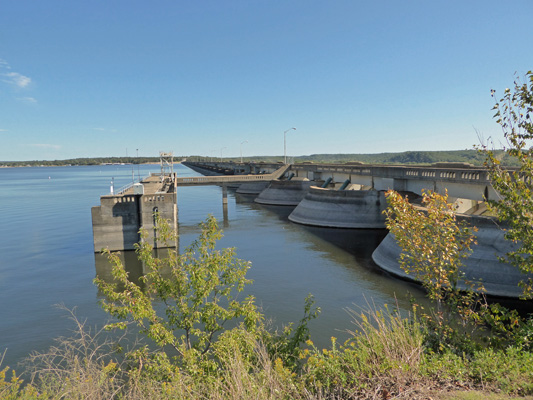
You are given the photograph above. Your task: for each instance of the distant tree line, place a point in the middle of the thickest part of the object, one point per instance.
(408, 157)
(81, 161)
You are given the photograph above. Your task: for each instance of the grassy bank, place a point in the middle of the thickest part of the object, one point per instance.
(387, 357)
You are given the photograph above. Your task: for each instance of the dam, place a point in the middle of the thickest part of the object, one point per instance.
(336, 196)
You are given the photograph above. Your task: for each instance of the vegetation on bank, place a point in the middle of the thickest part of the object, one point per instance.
(388, 357)
(407, 157)
(209, 343)
(81, 162)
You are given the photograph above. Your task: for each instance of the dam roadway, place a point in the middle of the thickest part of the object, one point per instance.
(459, 179)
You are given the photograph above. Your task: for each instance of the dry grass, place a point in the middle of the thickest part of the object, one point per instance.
(384, 360)
(79, 367)
(473, 395)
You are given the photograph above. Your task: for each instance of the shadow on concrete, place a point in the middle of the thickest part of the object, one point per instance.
(128, 214)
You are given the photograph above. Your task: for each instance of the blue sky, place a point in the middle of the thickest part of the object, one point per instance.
(102, 78)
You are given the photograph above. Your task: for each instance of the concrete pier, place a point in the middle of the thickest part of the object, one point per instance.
(499, 279)
(284, 193)
(119, 217)
(341, 209)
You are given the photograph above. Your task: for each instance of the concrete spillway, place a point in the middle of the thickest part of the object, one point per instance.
(284, 193)
(341, 209)
(499, 279)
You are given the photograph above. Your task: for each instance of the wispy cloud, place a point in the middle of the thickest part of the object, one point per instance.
(13, 78)
(46, 146)
(29, 100)
(3, 130)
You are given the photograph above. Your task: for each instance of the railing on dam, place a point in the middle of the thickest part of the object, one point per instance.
(434, 177)
(459, 174)
(126, 187)
(213, 180)
(207, 180)
(461, 180)
(448, 172)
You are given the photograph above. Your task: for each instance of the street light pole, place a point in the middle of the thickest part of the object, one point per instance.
(221, 153)
(138, 167)
(246, 141)
(285, 145)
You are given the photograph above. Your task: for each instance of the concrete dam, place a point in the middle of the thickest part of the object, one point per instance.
(352, 196)
(348, 196)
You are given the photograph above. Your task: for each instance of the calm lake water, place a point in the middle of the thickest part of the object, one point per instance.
(47, 255)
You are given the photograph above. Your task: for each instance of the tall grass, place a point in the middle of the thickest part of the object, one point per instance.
(385, 358)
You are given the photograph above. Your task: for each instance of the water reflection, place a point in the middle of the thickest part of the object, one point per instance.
(225, 217)
(133, 266)
(247, 201)
(131, 263)
(360, 243)
(350, 249)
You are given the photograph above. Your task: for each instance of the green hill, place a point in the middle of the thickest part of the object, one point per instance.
(407, 157)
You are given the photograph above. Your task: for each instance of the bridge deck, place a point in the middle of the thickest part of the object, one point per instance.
(153, 183)
(460, 180)
(215, 180)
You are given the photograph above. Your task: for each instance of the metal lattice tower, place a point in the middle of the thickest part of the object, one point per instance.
(167, 164)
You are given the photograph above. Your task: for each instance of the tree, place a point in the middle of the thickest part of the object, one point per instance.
(514, 113)
(187, 299)
(433, 242)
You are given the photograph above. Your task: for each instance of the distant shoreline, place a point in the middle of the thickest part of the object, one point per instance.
(74, 165)
(21, 164)
(471, 156)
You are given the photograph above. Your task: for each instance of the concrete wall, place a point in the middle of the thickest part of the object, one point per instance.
(252, 188)
(460, 181)
(224, 167)
(284, 193)
(118, 219)
(116, 223)
(166, 205)
(341, 209)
